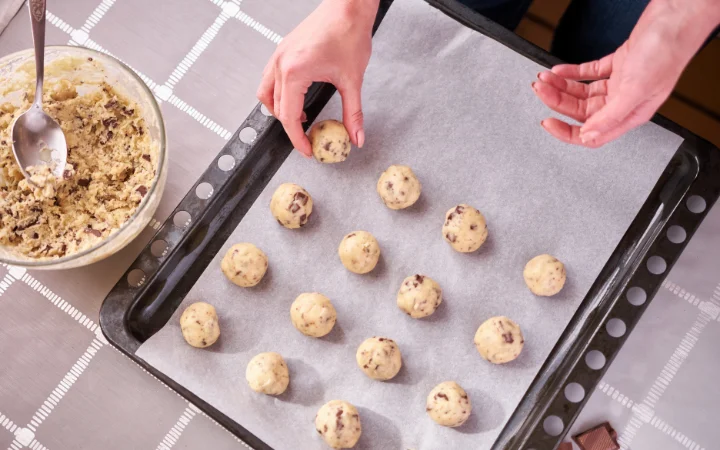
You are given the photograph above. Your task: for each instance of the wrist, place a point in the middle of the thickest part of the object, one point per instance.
(694, 19)
(361, 11)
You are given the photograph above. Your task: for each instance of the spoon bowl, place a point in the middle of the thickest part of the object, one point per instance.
(38, 140)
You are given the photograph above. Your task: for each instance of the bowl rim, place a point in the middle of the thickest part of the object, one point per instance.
(30, 263)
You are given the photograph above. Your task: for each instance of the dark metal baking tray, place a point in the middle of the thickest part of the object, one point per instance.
(131, 314)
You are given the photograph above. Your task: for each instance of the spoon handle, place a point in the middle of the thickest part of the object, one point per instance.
(37, 18)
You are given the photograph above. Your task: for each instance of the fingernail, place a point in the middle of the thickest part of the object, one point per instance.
(538, 75)
(542, 123)
(360, 137)
(589, 136)
(533, 85)
(303, 118)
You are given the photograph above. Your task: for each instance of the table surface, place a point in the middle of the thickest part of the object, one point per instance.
(64, 387)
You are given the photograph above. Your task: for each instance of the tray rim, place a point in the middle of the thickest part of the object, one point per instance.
(516, 432)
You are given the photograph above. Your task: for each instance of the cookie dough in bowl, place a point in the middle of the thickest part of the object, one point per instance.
(116, 166)
(338, 422)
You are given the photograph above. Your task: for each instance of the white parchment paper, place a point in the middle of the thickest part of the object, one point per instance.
(458, 108)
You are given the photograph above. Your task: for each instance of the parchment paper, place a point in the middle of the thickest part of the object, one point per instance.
(458, 108)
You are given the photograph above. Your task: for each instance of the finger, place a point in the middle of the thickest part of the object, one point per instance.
(593, 70)
(633, 120)
(568, 105)
(562, 131)
(291, 115)
(574, 88)
(352, 111)
(609, 117)
(277, 95)
(266, 89)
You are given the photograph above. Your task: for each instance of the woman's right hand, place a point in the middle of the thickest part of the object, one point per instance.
(332, 45)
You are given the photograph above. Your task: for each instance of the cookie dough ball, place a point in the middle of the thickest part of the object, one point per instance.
(338, 422)
(359, 252)
(330, 141)
(268, 374)
(291, 205)
(465, 228)
(379, 358)
(544, 275)
(398, 187)
(499, 340)
(448, 404)
(199, 325)
(244, 264)
(419, 296)
(313, 314)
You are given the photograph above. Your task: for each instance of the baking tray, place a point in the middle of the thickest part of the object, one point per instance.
(131, 314)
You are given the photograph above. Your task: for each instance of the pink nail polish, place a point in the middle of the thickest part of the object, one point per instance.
(360, 137)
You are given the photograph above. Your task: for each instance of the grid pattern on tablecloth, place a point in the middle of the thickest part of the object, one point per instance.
(64, 386)
(147, 414)
(659, 392)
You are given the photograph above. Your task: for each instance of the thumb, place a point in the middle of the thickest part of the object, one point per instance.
(352, 111)
(608, 118)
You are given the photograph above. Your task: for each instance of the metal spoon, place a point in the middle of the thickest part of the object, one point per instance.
(37, 138)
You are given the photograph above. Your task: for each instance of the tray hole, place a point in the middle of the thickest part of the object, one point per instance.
(159, 248)
(574, 392)
(265, 111)
(136, 278)
(204, 191)
(676, 234)
(616, 328)
(636, 296)
(226, 162)
(696, 204)
(656, 265)
(182, 219)
(553, 425)
(595, 360)
(248, 135)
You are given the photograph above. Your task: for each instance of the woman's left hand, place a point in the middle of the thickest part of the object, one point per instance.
(629, 85)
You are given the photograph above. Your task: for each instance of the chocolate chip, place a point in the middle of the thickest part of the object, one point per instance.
(146, 158)
(406, 178)
(84, 182)
(381, 339)
(459, 209)
(473, 227)
(90, 58)
(67, 174)
(451, 237)
(111, 104)
(142, 190)
(350, 235)
(110, 122)
(303, 219)
(508, 338)
(325, 428)
(419, 278)
(35, 236)
(294, 208)
(389, 185)
(94, 232)
(327, 146)
(441, 395)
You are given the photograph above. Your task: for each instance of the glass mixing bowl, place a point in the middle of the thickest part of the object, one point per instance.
(127, 83)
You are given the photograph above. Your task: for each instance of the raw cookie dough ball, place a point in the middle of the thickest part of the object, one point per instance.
(464, 228)
(291, 205)
(448, 404)
(359, 252)
(313, 314)
(544, 275)
(399, 187)
(244, 264)
(499, 340)
(199, 325)
(338, 422)
(330, 141)
(419, 296)
(379, 358)
(267, 373)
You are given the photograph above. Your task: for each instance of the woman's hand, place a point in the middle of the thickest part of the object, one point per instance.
(331, 45)
(629, 85)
